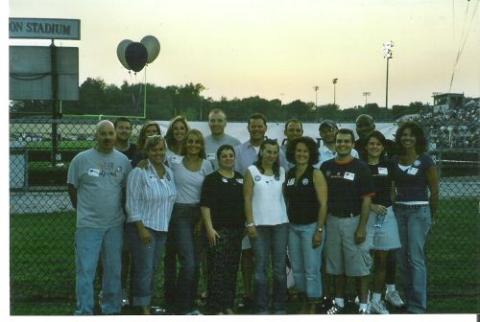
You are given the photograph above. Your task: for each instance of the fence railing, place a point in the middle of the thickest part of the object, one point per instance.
(42, 223)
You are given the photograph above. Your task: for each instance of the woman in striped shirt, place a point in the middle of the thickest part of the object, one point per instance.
(151, 194)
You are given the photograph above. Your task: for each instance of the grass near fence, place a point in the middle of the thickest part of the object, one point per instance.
(42, 261)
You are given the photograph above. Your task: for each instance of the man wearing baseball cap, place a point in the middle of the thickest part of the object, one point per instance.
(328, 129)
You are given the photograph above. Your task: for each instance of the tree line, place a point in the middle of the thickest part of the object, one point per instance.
(163, 103)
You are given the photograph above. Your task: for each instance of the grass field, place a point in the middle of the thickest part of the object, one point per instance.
(42, 262)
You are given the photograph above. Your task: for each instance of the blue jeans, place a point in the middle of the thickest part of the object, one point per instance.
(306, 261)
(413, 226)
(270, 240)
(146, 259)
(181, 290)
(89, 244)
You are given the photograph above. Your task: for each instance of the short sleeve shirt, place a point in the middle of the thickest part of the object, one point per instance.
(347, 184)
(99, 179)
(224, 197)
(411, 183)
(212, 144)
(382, 174)
(245, 155)
(189, 183)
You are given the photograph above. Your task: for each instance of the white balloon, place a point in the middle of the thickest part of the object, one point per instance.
(122, 46)
(153, 47)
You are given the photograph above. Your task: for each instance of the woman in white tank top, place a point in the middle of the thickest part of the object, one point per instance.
(267, 225)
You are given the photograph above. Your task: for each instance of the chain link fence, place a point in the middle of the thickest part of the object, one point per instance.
(42, 221)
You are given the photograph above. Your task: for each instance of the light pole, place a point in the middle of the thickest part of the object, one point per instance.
(315, 88)
(334, 81)
(387, 54)
(366, 94)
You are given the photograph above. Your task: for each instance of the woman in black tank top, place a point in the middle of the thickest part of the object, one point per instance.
(306, 198)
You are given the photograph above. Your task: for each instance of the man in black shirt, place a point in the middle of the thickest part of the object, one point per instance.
(350, 188)
(123, 129)
(365, 125)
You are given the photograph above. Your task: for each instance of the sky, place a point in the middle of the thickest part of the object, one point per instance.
(281, 49)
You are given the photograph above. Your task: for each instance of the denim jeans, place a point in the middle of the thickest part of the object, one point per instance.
(413, 226)
(146, 259)
(306, 261)
(89, 244)
(181, 290)
(270, 240)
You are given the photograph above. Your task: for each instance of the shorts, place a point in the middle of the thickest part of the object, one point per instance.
(342, 255)
(386, 236)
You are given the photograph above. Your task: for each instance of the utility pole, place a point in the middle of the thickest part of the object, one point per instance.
(315, 88)
(334, 81)
(387, 54)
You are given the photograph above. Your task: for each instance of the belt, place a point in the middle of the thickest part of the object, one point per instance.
(409, 206)
(350, 215)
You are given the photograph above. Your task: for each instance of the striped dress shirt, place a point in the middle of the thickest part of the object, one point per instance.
(150, 198)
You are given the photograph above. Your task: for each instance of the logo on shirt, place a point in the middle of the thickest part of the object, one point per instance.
(258, 178)
(290, 182)
(224, 180)
(239, 180)
(305, 181)
(417, 163)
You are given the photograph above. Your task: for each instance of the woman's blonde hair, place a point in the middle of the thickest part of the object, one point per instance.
(196, 132)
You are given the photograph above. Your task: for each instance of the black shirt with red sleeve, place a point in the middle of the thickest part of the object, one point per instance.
(348, 182)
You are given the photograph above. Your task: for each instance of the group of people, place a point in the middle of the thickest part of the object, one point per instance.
(220, 205)
(453, 128)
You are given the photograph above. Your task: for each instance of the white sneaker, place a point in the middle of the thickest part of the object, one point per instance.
(394, 299)
(357, 299)
(378, 307)
(125, 300)
(364, 311)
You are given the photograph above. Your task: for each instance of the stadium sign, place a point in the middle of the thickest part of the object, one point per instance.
(40, 28)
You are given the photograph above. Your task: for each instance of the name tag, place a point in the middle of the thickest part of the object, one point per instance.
(93, 172)
(383, 171)
(176, 159)
(211, 156)
(349, 176)
(291, 182)
(412, 171)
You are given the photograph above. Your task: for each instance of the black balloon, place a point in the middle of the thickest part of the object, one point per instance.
(136, 56)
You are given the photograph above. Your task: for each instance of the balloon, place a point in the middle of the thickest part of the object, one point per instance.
(122, 46)
(136, 56)
(153, 47)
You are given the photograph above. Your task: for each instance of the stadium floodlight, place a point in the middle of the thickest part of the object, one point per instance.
(387, 54)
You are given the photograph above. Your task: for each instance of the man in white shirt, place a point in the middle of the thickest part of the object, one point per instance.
(328, 129)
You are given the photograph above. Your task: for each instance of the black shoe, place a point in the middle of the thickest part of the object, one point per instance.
(335, 309)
